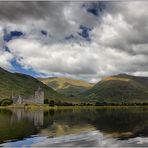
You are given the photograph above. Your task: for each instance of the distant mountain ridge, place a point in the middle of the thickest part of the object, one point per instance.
(113, 89)
(119, 88)
(67, 86)
(21, 84)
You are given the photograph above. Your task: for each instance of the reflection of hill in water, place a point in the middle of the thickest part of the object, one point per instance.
(11, 129)
(60, 129)
(116, 122)
(123, 123)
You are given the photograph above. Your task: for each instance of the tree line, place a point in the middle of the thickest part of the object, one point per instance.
(64, 103)
(6, 102)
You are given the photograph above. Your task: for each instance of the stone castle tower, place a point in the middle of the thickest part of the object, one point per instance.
(37, 97)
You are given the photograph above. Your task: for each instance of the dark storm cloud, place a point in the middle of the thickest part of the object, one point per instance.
(36, 15)
(133, 29)
(16, 11)
(58, 18)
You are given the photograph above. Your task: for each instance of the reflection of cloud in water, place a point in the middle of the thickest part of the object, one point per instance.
(93, 138)
(25, 143)
(113, 128)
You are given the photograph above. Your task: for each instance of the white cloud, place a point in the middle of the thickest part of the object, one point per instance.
(5, 60)
(5, 56)
(119, 38)
(58, 58)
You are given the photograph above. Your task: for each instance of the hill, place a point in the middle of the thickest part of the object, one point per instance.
(68, 87)
(119, 88)
(21, 84)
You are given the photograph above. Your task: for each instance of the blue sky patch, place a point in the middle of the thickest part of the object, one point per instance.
(94, 8)
(16, 33)
(13, 34)
(43, 32)
(18, 68)
(6, 49)
(85, 32)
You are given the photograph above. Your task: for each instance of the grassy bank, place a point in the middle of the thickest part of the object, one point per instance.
(47, 107)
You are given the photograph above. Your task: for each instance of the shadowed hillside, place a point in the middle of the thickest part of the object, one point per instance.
(119, 88)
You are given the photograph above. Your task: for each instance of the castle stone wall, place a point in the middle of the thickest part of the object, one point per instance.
(37, 97)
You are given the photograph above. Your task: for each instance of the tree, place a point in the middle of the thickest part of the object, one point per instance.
(6, 102)
(59, 103)
(51, 103)
(46, 101)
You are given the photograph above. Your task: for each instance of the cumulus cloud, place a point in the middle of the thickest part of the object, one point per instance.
(57, 18)
(5, 56)
(5, 60)
(59, 58)
(87, 40)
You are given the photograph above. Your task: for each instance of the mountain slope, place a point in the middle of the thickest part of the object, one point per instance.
(67, 86)
(21, 84)
(119, 88)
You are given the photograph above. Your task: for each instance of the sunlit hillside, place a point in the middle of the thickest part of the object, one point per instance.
(67, 86)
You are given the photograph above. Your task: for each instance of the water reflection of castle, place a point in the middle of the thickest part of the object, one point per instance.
(38, 98)
(36, 117)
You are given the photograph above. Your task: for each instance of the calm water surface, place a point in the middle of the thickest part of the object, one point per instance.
(125, 126)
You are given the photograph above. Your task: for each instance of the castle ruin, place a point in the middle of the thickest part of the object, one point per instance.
(37, 98)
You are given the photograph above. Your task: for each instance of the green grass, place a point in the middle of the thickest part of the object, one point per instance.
(118, 89)
(115, 89)
(21, 84)
(76, 108)
(67, 86)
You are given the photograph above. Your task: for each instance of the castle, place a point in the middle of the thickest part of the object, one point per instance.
(37, 98)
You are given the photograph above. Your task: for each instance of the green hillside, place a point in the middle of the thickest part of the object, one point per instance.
(67, 86)
(120, 88)
(21, 84)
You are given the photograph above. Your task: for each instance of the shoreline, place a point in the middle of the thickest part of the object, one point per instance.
(47, 107)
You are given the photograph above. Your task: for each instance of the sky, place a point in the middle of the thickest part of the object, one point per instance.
(81, 40)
